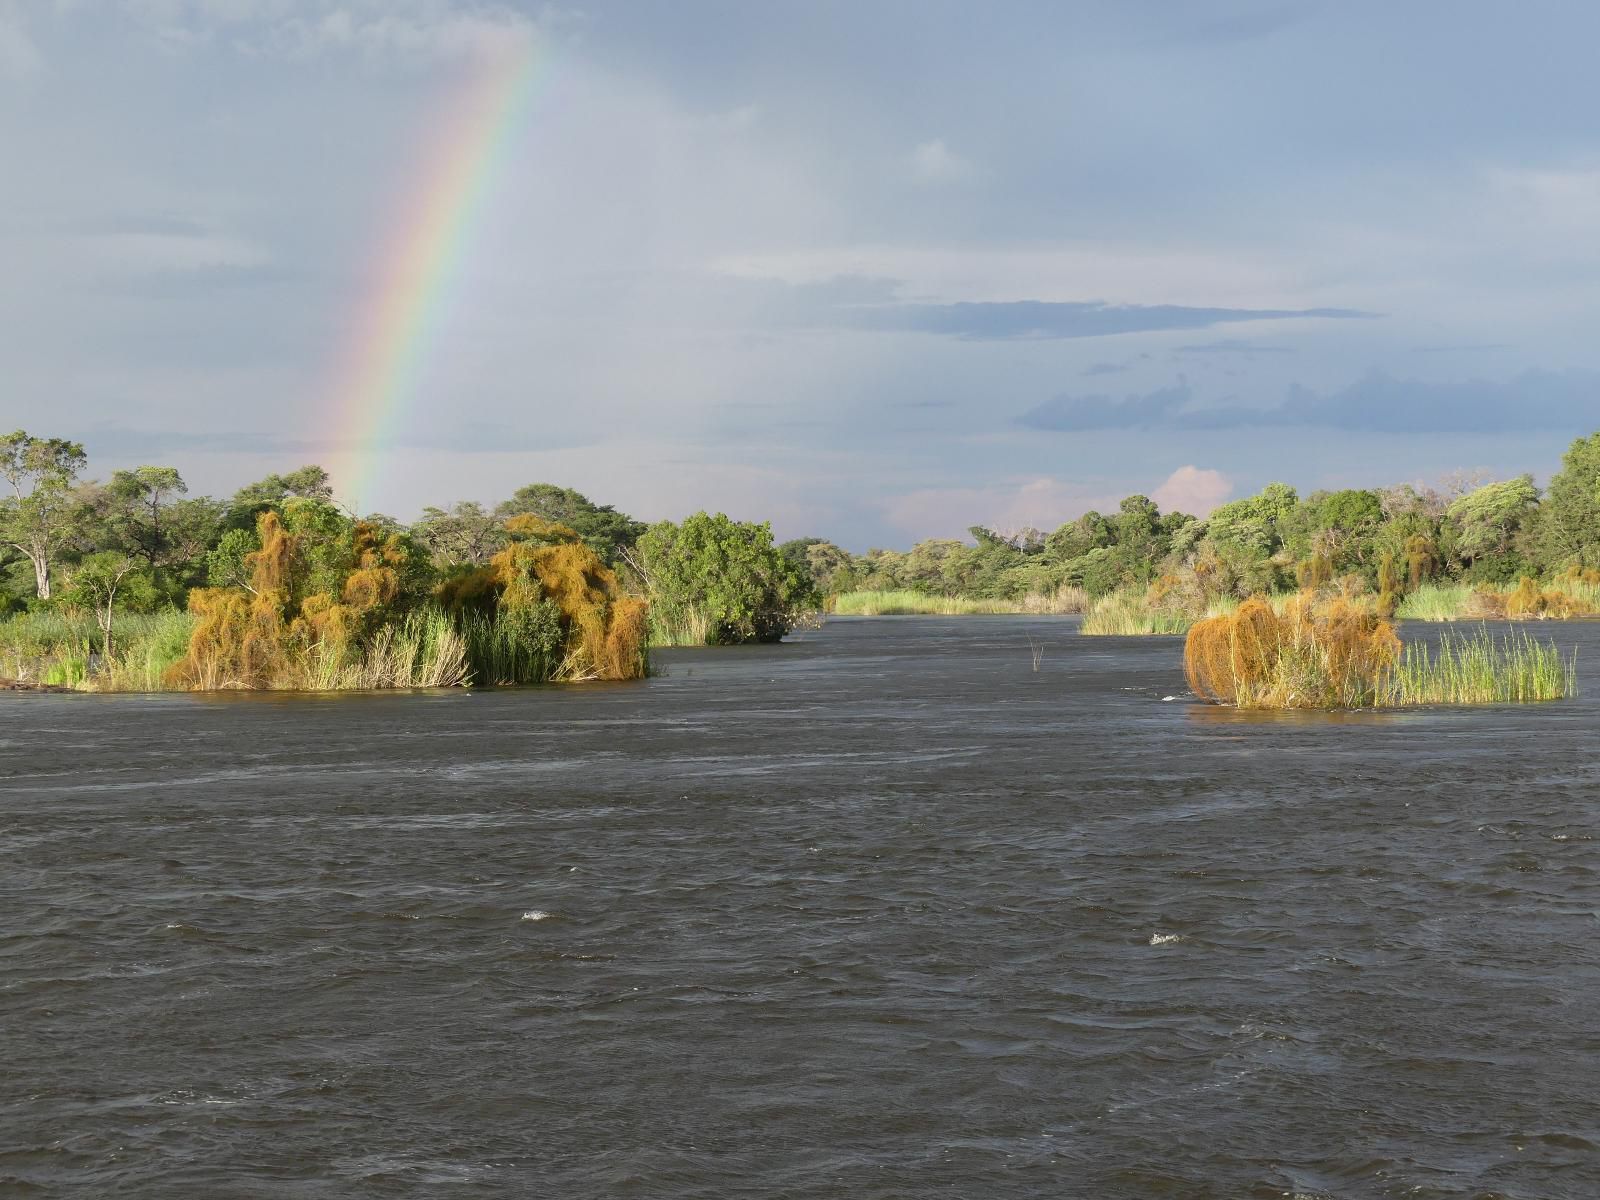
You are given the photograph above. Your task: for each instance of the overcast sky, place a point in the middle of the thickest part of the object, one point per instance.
(873, 270)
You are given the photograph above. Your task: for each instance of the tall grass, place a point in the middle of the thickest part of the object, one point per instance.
(1126, 613)
(505, 648)
(1334, 652)
(145, 653)
(65, 648)
(1568, 595)
(1436, 602)
(908, 603)
(423, 649)
(688, 626)
(1480, 668)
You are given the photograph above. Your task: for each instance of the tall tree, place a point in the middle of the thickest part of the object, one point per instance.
(603, 529)
(464, 535)
(43, 513)
(1569, 520)
(144, 512)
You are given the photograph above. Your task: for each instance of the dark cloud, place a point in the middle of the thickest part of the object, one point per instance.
(1376, 403)
(1241, 27)
(1041, 319)
(1081, 413)
(1232, 346)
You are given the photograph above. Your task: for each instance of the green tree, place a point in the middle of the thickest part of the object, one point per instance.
(1256, 523)
(1569, 519)
(830, 568)
(143, 512)
(603, 529)
(310, 482)
(1489, 523)
(103, 579)
(44, 514)
(463, 535)
(724, 573)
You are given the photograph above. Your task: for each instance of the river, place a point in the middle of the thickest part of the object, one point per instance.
(893, 910)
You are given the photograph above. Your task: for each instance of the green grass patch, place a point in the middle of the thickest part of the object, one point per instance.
(919, 604)
(1480, 668)
(1129, 613)
(1436, 602)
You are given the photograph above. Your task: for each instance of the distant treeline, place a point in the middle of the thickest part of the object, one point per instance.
(1471, 532)
(283, 587)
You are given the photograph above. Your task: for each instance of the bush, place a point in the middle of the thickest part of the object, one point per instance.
(717, 581)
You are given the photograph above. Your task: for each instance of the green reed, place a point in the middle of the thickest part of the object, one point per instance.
(1480, 668)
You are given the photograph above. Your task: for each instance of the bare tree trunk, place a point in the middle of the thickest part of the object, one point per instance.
(41, 575)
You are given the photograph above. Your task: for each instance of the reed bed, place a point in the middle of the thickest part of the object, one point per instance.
(64, 648)
(1480, 668)
(1129, 614)
(1436, 602)
(688, 626)
(909, 603)
(1567, 596)
(1336, 653)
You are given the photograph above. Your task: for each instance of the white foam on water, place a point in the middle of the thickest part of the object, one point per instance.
(1165, 939)
(535, 914)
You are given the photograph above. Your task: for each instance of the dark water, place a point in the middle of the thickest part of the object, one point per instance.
(884, 913)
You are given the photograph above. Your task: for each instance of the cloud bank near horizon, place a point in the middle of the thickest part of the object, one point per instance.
(782, 263)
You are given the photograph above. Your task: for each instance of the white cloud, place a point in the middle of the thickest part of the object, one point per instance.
(19, 56)
(1194, 490)
(406, 30)
(934, 162)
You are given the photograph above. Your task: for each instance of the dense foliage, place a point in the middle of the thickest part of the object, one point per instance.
(713, 580)
(1395, 540)
(282, 587)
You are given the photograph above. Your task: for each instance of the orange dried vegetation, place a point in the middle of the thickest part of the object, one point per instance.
(264, 636)
(1320, 653)
(603, 629)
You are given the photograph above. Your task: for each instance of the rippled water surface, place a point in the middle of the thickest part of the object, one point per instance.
(881, 913)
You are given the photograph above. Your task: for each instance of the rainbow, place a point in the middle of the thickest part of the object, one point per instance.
(380, 364)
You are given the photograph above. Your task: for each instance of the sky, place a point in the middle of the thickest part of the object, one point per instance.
(872, 271)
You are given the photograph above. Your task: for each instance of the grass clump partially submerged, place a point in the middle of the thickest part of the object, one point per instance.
(1127, 613)
(906, 603)
(1482, 669)
(1336, 653)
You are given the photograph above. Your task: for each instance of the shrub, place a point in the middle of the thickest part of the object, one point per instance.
(1331, 653)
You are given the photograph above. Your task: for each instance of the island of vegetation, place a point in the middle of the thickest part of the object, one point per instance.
(132, 584)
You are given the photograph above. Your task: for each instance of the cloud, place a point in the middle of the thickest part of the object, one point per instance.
(1105, 368)
(19, 56)
(1233, 346)
(1375, 403)
(1082, 413)
(1241, 27)
(934, 162)
(1042, 319)
(1193, 490)
(408, 30)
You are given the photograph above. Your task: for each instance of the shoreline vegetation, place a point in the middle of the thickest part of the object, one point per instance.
(1327, 652)
(1066, 599)
(130, 584)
